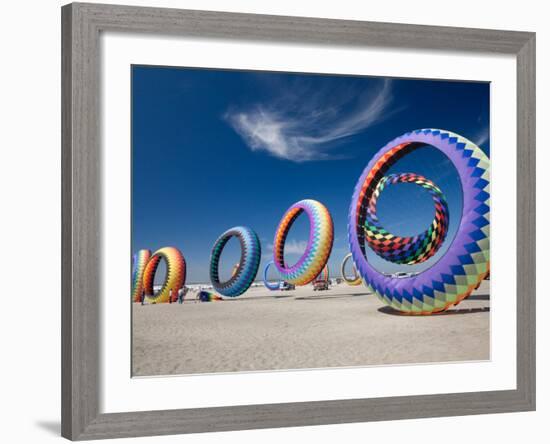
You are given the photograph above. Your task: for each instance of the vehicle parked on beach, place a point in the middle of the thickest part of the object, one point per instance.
(401, 275)
(285, 286)
(320, 285)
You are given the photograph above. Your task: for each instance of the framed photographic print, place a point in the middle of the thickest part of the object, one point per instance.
(278, 221)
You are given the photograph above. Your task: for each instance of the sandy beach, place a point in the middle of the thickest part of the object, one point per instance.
(340, 327)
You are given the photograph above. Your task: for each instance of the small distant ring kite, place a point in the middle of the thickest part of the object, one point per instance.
(139, 261)
(175, 275)
(465, 263)
(356, 280)
(319, 246)
(243, 277)
(267, 284)
(407, 250)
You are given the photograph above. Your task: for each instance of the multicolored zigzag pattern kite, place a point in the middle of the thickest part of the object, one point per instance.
(407, 250)
(319, 246)
(465, 263)
(175, 275)
(246, 271)
(139, 261)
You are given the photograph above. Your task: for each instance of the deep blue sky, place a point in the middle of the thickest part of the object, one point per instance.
(212, 149)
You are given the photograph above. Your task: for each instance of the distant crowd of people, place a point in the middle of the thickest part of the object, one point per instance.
(181, 295)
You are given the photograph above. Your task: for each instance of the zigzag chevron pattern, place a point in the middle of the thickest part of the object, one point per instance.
(413, 249)
(321, 236)
(175, 275)
(466, 262)
(247, 268)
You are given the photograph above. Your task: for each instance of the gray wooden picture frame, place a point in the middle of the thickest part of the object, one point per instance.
(81, 206)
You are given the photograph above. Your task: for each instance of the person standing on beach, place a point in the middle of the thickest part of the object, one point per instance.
(143, 297)
(170, 297)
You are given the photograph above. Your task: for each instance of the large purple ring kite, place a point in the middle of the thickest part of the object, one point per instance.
(465, 263)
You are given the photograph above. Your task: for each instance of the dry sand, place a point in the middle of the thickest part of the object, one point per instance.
(264, 330)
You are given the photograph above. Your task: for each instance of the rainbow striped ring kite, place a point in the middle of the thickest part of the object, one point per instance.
(321, 235)
(356, 280)
(175, 275)
(243, 277)
(466, 262)
(139, 261)
(267, 284)
(407, 250)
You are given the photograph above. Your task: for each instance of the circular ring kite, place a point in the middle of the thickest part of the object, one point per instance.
(356, 280)
(407, 250)
(175, 275)
(139, 261)
(267, 284)
(465, 263)
(243, 277)
(319, 246)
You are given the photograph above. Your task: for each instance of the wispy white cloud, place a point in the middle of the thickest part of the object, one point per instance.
(482, 136)
(295, 247)
(292, 246)
(304, 125)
